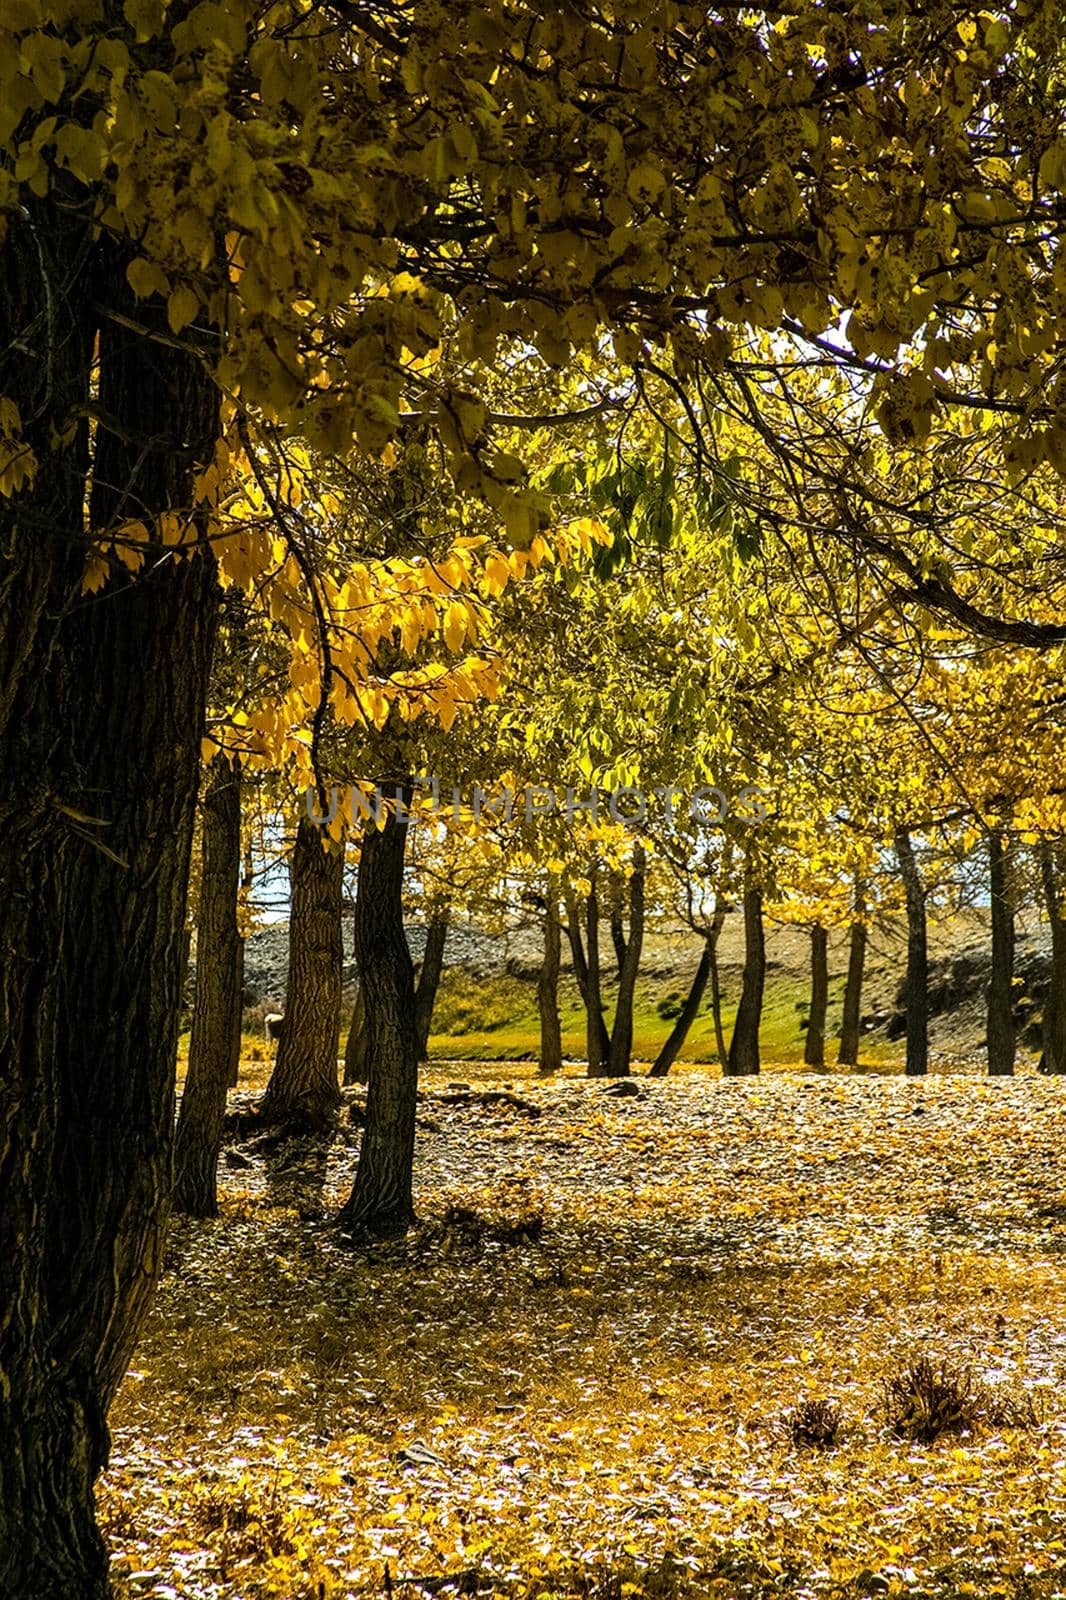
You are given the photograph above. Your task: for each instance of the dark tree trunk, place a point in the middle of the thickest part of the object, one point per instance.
(848, 1053)
(581, 975)
(598, 1044)
(551, 1038)
(1053, 1058)
(621, 1045)
(618, 939)
(917, 959)
(381, 1199)
(304, 1091)
(716, 1011)
(1000, 1030)
(356, 1069)
(690, 1010)
(101, 718)
(214, 1044)
(429, 979)
(743, 1060)
(814, 1044)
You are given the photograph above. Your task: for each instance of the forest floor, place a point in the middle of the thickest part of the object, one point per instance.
(575, 1376)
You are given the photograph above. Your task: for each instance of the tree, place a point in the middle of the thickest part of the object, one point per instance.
(1001, 984)
(814, 1043)
(303, 1091)
(214, 1043)
(429, 977)
(551, 1042)
(743, 1060)
(620, 1048)
(381, 1199)
(1052, 866)
(851, 1016)
(917, 986)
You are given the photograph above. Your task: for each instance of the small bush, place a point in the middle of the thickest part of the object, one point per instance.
(816, 1424)
(927, 1400)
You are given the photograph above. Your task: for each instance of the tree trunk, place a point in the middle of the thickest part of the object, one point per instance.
(598, 1044)
(1053, 1058)
(621, 1045)
(551, 1038)
(214, 1044)
(1000, 1030)
(618, 939)
(848, 1053)
(356, 1069)
(101, 718)
(381, 1199)
(743, 1060)
(814, 1044)
(429, 979)
(917, 961)
(594, 1018)
(303, 1091)
(690, 1010)
(716, 1011)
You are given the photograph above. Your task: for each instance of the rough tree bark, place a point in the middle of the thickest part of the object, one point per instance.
(381, 1200)
(101, 718)
(551, 1037)
(851, 1021)
(690, 1010)
(215, 1040)
(429, 978)
(304, 1091)
(814, 1044)
(1000, 1027)
(743, 1059)
(1053, 1058)
(917, 959)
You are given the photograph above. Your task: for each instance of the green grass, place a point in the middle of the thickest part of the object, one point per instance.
(495, 1019)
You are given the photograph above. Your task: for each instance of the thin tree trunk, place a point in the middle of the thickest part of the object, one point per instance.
(1053, 1058)
(551, 1038)
(743, 1060)
(690, 1010)
(848, 1053)
(621, 1044)
(429, 978)
(1000, 1029)
(716, 1011)
(598, 1044)
(581, 975)
(381, 1200)
(303, 1091)
(214, 1044)
(101, 720)
(814, 1044)
(356, 1069)
(917, 959)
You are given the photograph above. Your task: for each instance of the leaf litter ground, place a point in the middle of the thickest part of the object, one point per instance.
(574, 1377)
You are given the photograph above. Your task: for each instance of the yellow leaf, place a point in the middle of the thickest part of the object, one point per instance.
(182, 307)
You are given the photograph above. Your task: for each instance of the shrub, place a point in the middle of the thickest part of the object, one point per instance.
(926, 1400)
(815, 1423)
